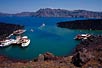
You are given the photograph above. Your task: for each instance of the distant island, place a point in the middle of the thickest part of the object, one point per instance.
(89, 24)
(48, 12)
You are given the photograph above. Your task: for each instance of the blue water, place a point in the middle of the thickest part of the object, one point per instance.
(50, 38)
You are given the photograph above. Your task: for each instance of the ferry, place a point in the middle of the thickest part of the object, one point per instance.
(22, 41)
(6, 42)
(82, 36)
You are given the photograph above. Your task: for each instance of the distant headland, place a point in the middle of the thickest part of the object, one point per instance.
(48, 12)
(89, 24)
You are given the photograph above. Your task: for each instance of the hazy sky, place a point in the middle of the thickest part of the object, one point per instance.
(15, 6)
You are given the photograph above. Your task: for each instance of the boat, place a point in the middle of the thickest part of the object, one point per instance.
(25, 41)
(43, 25)
(82, 36)
(6, 42)
(32, 30)
(22, 41)
(18, 32)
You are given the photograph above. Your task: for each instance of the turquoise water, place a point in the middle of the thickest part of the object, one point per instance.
(50, 38)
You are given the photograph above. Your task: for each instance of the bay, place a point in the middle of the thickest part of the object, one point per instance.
(49, 38)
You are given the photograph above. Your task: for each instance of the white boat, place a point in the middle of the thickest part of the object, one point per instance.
(43, 25)
(82, 36)
(6, 42)
(25, 41)
(18, 32)
(32, 30)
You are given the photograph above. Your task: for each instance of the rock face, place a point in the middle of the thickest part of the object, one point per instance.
(89, 24)
(80, 58)
(90, 49)
(48, 56)
(48, 12)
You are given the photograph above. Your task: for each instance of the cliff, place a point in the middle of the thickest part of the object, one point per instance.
(88, 53)
(89, 24)
(48, 12)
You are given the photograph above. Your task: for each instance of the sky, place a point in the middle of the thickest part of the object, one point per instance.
(17, 6)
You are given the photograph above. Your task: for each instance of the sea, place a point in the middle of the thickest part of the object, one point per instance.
(44, 38)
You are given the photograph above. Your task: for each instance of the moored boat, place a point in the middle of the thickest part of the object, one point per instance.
(6, 42)
(25, 41)
(18, 32)
(82, 36)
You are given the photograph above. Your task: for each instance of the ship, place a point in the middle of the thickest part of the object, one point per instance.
(6, 42)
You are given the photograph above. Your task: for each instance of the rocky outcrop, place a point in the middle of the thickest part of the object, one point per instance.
(48, 56)
(80, 58)
(90, 49)
(88, 24)
(48, 12)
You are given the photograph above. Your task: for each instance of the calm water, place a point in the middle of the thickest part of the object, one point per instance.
(46, 39)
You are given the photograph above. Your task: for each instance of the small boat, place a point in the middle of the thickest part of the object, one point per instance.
(43, 25)
(32, 30)
(18, 32)
(82, 36)
(25, 41)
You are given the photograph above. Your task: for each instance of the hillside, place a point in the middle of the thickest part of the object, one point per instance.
(48, 12)
(89, 24)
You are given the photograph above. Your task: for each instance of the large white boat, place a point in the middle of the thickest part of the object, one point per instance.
(25, 41)
(6, 42)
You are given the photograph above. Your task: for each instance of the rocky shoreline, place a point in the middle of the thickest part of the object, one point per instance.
(6, 29)
(88, 53)
(87, 24)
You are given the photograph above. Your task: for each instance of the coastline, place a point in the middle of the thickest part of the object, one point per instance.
(48, 60)
(85, 55)
(88, 24)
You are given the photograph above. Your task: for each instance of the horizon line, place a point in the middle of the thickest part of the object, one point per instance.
(52, 9)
